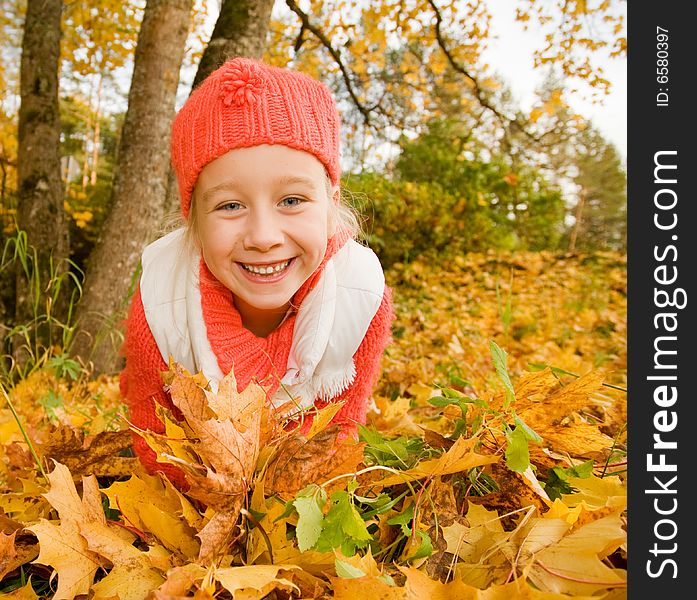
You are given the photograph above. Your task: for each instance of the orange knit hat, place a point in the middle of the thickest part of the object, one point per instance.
(245, 103)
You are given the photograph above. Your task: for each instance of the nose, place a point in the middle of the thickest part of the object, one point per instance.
(263, 231)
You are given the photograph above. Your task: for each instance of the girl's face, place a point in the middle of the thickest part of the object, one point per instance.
(262, 219)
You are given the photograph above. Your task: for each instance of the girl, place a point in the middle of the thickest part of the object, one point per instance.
(265, 277)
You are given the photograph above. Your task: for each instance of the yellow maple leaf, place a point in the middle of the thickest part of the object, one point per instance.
(573, 564)
(255, 581)
(153, 506)
(133, 575)
(63, 548)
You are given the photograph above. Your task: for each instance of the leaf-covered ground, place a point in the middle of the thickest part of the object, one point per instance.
(492, 465)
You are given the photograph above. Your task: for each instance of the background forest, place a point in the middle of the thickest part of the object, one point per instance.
(502, 231)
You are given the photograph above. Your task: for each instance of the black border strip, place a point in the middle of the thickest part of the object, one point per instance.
(662, 361)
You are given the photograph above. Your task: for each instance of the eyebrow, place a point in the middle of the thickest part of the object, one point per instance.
(221, 187)
(291, 179)
(229, 185)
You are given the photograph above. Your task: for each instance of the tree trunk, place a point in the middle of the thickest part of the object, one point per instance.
(86, 148)
(40, 210)
(95, 138)
(578, 220)
(139, 187)
(240, 30)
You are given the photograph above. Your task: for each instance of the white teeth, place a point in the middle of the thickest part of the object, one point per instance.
(266, 270)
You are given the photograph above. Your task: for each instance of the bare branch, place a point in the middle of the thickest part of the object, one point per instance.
(306, 24)
(479, 93)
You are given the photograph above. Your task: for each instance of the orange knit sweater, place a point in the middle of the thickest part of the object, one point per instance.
(264, 359)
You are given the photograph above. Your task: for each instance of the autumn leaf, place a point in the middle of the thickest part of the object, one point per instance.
(95, 455)
(133, 575)
(225, 438)
(162, 542)
(299, 461)
(573, 564)
(63, 548)
(255, 581)
(153, 506)
(7, 553)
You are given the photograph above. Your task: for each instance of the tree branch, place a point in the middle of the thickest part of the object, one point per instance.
(306, 24)
(478, 91)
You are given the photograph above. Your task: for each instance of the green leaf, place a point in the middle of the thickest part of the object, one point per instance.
(426, 547)
(342, 526)
(309, 508)
(500, 357)
(583, 471)
(557, 482)
(64, 366)
(403, 519)
(517, 453)
(345, 513)
(346, 570)
(530, 433)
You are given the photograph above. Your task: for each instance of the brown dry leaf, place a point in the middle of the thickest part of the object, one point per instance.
(28, 505)
(7, 553)
(460, 457)
(556, 557)
(95, 455)
(520, 589)
(27, 548)
(226, 430)
(175, 445)
(226, 448)
(298, 461)
(439, 504)
(8, 525)
(475, 545)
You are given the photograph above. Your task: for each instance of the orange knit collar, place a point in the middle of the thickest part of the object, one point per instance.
(265, 359)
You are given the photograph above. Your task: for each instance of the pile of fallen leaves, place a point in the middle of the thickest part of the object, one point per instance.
(492, 465)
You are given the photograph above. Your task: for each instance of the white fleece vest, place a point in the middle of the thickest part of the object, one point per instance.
(329, 327)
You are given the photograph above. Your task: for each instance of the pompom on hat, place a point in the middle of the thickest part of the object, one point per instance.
(246, 103)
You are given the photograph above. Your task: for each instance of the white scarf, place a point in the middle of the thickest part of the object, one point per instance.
(330, 325)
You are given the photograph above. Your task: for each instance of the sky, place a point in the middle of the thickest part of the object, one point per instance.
(511, 55)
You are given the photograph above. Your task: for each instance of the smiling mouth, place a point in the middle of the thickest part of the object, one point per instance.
(272, 269)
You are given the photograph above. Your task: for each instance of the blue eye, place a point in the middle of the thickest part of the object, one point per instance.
(291, 201)
(230, 206)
